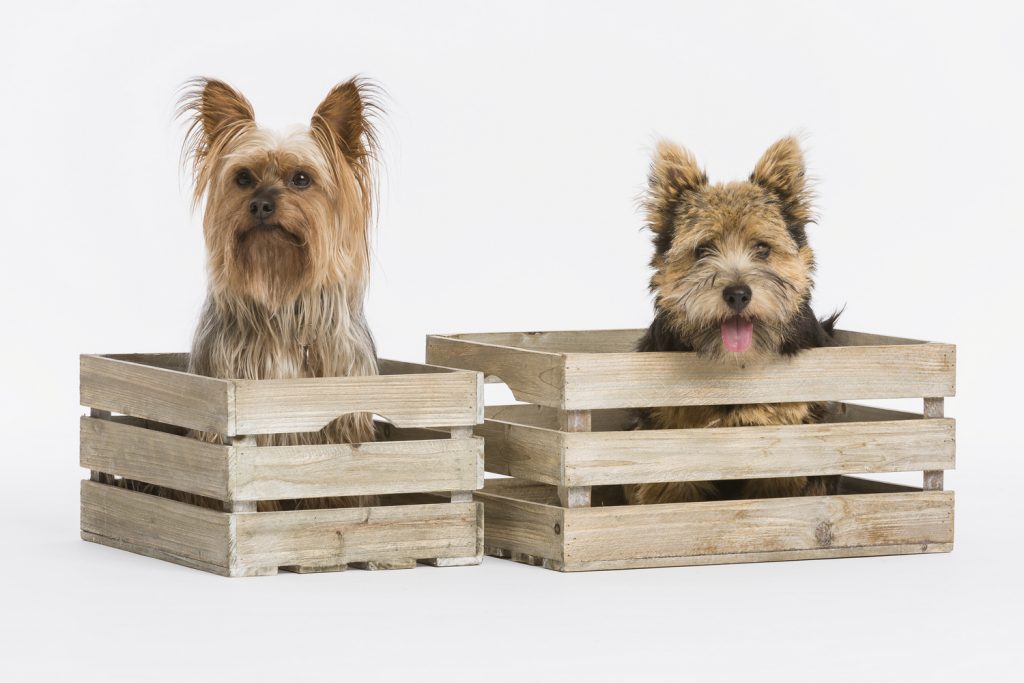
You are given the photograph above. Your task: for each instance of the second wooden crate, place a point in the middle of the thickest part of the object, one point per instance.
(571, 450)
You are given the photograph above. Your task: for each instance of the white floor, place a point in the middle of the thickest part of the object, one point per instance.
(72, 609)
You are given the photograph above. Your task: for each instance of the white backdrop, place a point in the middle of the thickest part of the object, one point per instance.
(515, 145)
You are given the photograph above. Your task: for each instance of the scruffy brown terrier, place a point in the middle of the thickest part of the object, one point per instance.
(732, 281)
(286, 225)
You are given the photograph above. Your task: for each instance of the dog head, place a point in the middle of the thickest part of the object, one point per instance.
(732, 267)
(286, 212)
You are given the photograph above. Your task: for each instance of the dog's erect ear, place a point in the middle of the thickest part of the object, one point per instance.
(781, 170)
(343, 118)
(218, 107)
(674, 176)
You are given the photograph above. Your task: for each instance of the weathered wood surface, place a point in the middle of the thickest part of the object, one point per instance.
(522, 526)
(156, 393)
(637, 532)
(155, 457)
(536, 376)
(631, 457)
(303, 405)
(244, 472)
(146, 386)
(714, 532)
(258, 543)
(313, 538)
(538, 371)
(573, 495)
(934, 479)
(161, 528)
(625, 340)
(277, 472)
(642, 380)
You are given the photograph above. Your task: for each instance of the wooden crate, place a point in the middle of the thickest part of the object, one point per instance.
(423, 473)
(572, 445)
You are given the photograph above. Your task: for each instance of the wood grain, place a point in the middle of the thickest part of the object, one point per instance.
(756, 452)
(177, 462)
(641, 380)
(146, 391)
(303, 405)
(532, 376)
(548, 369)
(340, 536)
(158, 527)
(934, 478)
(626, 457)
(278, 472)
(638, 532)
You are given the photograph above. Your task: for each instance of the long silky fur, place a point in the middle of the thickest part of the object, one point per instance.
(776, 202)
(321, 331)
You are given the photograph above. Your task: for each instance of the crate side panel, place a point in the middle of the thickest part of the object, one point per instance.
(340, 536)
(277, 472)
(154, 457)
(522, 526)
(532, 376)
(522, 452)
(753, 452)
(167, 396)
(639, 380)
(752, 526)
(154, 526)
(305, 405)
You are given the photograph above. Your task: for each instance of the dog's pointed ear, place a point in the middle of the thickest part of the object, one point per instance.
(781, 170)
(343, 118)
(217, 107)
(674, 176)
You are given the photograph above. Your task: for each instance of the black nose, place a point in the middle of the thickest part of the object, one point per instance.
(261, 207)
(737, 296)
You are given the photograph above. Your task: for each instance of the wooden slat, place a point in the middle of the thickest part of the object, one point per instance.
(572, 380)
(523, 452)
(339, 536)
(161, 528)
(278, 472)
(154, 393)
(744, 558)
(639, 532)
(521, 526)
(756, 452)
(546, 455)
(641, 380)
(155, 457)
(303, 405)
(532, 376)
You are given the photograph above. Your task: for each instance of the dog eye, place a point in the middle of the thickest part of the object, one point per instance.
(243, 178)
(762, 250)
(703, 251)
(301, 179)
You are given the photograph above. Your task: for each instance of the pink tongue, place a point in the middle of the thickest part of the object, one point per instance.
(737, 334)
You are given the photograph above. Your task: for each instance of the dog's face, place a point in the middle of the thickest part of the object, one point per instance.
(732, 264)
(285, 212)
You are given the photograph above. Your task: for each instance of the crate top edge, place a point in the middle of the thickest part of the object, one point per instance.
(170, 362)
(514, 342)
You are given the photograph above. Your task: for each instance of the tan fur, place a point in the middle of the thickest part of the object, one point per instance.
(285, 296)
(709, 237)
